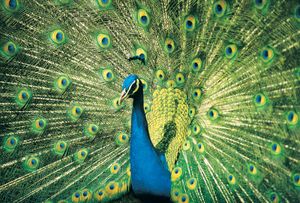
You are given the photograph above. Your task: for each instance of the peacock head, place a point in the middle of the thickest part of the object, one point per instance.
(130, 87)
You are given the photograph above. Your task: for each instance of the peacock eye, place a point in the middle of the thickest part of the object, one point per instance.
(91, 130)
(61, 84)
(169, 45)
(190, 23)
(213, 114)
(23, 97)
(146, 107)
(39, 125)
(86, 195)
(143, 18)
(196, 94)
(107, 74)
(114, 169)
(191, 183)
(11, 143)
(183, 198)
(9, 49)
(200, 147)
(75, 197)
(292, 118)
(196, 129)
(175, 194)
(141, 53)
(160, 75)
(180, 79)
(219, 8)
(231, 179)
(112, 188)
(267, 54)
(252, 169)
(230, 51)
(60, 147)
(99, 194)
(196, 65)
(11, 5)
(31, 163)
(81, 155)
(192, 111)
(121, 138)
(171, 83)
(57, 37)
(274, 197)
(176, 173)
(104, 4)
(103, 41)
(296, 179)
(260, 4)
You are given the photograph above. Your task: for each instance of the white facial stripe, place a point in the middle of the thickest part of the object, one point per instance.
(125, 95)
(137, 86)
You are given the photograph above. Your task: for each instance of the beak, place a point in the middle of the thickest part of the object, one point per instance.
(122, 97)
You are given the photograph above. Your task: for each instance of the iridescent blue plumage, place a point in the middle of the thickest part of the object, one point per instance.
(150, 174)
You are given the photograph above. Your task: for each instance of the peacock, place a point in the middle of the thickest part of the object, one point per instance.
(181, 101)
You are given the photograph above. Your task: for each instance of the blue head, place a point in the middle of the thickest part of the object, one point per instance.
(130, 87)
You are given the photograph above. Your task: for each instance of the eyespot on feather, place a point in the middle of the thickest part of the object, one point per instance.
(195, 128)
(104, 4)
(196, 65)
(183, 198)
(112, 188)
(190, 23)
(143, 18)
(292, 119)
(267, 55)
(86, 195)
(200, 148)
(23, 97)
(176, 174)
(169, 45)
(121, 138)
(31, 163)
(10, 143)
(60, 147)
(191, 183)
(230, 51)
(99, 194)
(213, 114)
(115, 167)
(160, 75)
(107, 74)
(11, 5)
(39, 125)
(61, 84)
(9, 49)
(196, 94)
(219, 8)
(81, 155)
(231, 179)
(91, 130)
(180, 79)
(57, 37)
(104, 41)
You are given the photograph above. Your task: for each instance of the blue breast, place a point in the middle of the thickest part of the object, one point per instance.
(150, 174)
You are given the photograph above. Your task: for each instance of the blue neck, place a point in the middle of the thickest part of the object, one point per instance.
(148, 172)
